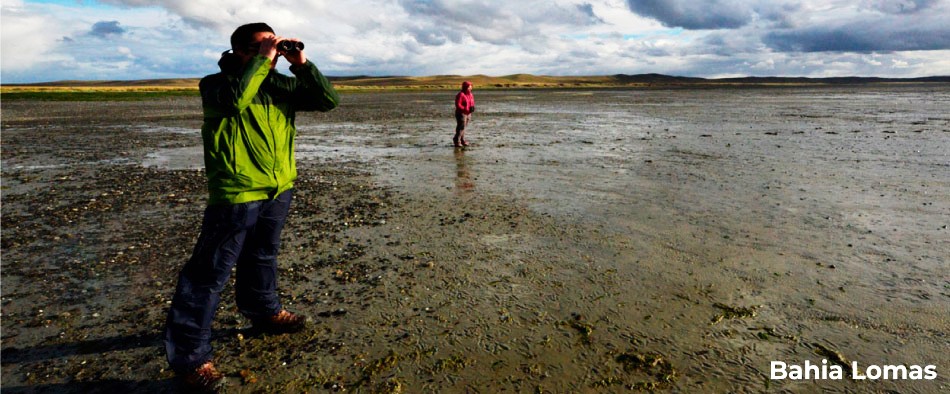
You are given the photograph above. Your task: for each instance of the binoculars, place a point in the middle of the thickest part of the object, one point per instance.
(289, 46)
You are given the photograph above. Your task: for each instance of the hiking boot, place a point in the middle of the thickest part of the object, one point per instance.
(281, 323)
(204, 379)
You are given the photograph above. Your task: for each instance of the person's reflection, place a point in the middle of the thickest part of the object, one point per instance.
(463, 180)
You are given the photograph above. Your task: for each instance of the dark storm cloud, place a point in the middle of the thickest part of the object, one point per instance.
(902, 6)
(728, 44)
(791, 25)
(105, 29)
(581, 15)
(427, 37)
(691, 14)
(474, 13)
(588, 10)
(437, 23)
(862, 37)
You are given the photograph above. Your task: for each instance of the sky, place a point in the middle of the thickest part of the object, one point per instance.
(53, 40)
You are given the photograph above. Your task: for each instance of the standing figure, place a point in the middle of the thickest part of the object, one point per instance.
(464, 107)
(248, 136)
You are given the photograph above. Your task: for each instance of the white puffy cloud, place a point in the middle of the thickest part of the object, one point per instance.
(28, 37)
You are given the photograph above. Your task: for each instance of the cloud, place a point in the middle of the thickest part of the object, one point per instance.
(691, 14)
(901, 6)
(498, 22)
(137, 39)
(859, 37)
(106, 29)
(48, 42)
(28, 38)
(860, 26)
(895, 26)
(436, 22)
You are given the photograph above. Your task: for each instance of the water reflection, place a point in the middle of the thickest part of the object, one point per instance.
(463, 179)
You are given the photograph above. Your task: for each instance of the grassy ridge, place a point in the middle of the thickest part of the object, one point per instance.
(92, 94)
(147, 89)
(515, 81)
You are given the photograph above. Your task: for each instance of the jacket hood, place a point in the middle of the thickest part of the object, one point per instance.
(466, 85)
(230, 63)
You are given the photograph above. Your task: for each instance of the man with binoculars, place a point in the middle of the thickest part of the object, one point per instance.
(248, 136)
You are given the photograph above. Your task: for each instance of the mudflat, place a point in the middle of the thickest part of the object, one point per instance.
(588, 241)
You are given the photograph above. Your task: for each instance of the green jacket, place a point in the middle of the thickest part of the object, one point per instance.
(249, 131)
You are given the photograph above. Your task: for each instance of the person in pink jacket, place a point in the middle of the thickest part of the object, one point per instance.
(464, 106)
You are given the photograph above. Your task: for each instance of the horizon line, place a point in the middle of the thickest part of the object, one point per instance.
(502, 77)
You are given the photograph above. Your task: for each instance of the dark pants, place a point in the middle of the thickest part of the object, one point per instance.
(461, 123)
(246, 235)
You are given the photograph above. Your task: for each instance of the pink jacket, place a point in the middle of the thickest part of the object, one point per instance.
(464, 100)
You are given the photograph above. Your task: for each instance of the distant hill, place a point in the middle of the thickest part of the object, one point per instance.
(516, 81)
(485, 82)
(618, 80)
(831, 80)
(185, 83)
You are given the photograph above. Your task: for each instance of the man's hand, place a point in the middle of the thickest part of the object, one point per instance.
(269, 48)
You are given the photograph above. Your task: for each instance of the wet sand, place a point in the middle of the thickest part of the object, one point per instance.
(589, 241)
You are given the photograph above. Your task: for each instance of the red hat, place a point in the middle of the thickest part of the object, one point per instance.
(466, 85)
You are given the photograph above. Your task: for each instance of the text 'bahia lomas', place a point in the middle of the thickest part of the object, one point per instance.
(808, 371)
